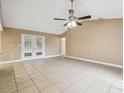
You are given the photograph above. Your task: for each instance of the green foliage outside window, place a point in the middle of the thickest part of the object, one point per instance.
(39, 43)
(28, 43)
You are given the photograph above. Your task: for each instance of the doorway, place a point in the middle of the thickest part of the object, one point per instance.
(63, 46)
(32, 46)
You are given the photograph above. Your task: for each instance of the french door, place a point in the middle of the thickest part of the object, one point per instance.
(32, 46)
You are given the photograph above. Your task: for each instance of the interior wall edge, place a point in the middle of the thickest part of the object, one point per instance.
(97, 40)
(14, 28)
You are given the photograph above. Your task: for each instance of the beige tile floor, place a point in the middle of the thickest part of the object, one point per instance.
(59, 75)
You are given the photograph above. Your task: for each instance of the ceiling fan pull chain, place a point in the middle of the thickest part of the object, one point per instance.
(72, 4)
(72, 21)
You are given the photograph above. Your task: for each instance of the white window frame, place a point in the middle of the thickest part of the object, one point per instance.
(22, 47)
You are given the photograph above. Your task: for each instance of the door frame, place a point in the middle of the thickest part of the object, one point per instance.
(22, 47)
(63, 46)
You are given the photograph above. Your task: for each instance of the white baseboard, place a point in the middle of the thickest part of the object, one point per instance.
(12, 61)
(20, 60)
(77, 58)
(52, 56)
(94, 61)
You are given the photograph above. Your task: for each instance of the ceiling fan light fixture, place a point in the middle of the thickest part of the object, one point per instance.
(72, 20)
(71, 24)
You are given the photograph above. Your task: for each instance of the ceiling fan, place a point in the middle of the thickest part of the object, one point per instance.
(72, 20)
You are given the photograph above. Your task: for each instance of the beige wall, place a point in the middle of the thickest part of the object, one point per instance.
(0, 47)
(96, 40)
(0, 42)
(13, 37)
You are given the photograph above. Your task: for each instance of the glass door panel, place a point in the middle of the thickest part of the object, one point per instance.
(32, 46)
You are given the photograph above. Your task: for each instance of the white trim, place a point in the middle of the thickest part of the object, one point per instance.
(16, 61)
(94, 61)
(22, 45)
(77, 58)
(40, 57)
(52, 56)
(12, 61)
(63, 45)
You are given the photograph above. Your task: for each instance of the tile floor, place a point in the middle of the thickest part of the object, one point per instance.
(59, 75)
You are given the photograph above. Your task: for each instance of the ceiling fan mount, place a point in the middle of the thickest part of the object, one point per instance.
(72, 20)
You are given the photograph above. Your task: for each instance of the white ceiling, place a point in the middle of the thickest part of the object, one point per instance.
(37, 15)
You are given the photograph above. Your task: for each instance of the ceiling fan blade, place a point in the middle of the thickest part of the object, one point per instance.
(60, 19)
(65, 24)
(78, 23)
(84, 17)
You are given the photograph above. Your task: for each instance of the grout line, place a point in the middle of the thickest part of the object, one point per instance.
(35, 67)
(26, 87)
(94, 82)
(91, 85)
(61, 91)
(45, 77)
(15, 79)
(112, 82)
(30, 77)
(40, 73)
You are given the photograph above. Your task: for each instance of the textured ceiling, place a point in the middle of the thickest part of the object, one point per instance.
(37, 15)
